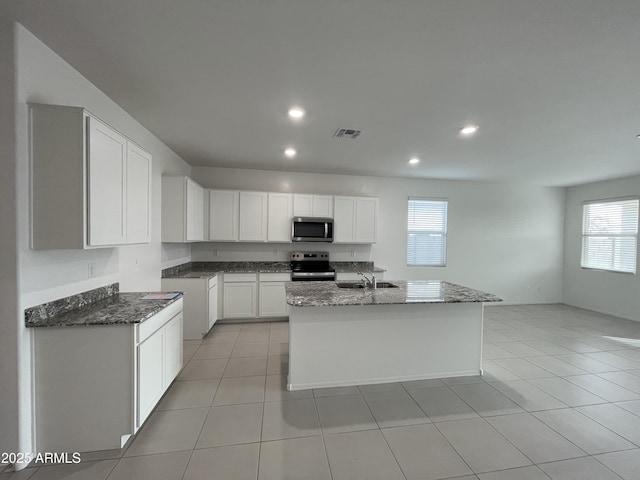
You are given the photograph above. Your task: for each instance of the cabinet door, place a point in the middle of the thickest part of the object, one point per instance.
(223, 215)
(239, 300)
(273, 300)
(279, 217)
(213, 306)
(344, 217)
(199, 213)
(172, 349)
(138, 194)
(253, 217)
(323, 206)
(194, 211)
(150, 374)
(106, 164)
(366, 220)
(302, 205)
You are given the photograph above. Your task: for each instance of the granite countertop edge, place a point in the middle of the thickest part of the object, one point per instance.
(328, 294)
(119, 309)
(196, 272)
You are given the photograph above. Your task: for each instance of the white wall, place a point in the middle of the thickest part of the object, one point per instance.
(503, 238)
(9, 397)
(44, 77)
(607, 292)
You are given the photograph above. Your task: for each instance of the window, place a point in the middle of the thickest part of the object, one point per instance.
(427, 232)
(610, 235)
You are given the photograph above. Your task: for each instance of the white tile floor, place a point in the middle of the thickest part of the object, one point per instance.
(560, 399)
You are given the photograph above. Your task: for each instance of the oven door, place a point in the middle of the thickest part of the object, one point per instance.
(312, 229)
(313, 276)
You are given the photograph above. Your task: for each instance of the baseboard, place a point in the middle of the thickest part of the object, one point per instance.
(253, 320)
(375, 381)
(604, 312)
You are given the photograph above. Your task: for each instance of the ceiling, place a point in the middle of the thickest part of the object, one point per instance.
(553, 85)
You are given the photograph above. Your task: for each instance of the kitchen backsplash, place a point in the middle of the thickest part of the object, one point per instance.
(252, 252)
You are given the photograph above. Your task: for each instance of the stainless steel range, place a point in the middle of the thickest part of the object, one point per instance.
(311, 267)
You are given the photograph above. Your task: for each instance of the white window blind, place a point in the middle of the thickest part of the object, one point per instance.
(610, 235)
(427, 232)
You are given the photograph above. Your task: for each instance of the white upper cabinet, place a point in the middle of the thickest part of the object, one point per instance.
(344, 220)
(182, 210)
(107, 164)
(366, 220)
(280, 214)
(138, 194)
(322, 206)
(355, 220)
(90, 185)
(223, 215)
(253, 217)
(312, 205)
(195, 211)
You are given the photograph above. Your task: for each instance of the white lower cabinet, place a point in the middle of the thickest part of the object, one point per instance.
(94, 386)
(239, 295)
(250, 295)
(173, 348)
(159, 362)
(200, 303)
(271, 294)
(150, 378)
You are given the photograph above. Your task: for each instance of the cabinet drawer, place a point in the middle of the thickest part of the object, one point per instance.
(240, 277)
(146, 328)
(275, 277)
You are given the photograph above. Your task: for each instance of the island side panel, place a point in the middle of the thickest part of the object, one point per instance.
(356, 345)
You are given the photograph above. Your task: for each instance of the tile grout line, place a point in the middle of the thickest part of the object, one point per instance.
(264, 394)
(324, 445)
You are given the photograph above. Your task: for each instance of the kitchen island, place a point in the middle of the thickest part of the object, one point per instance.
(412, 330)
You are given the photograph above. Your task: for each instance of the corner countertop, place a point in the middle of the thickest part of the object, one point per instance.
(96, 308)
(325, 294)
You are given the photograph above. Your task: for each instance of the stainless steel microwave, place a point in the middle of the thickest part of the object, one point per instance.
(312, 229)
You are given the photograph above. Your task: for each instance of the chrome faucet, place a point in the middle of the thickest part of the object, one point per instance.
(372, 282)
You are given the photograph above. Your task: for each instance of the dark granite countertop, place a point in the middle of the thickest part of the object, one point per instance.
(210, 269)
(96, 307)
(324, 294)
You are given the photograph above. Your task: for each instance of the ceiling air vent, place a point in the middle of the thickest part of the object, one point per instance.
(351, 133)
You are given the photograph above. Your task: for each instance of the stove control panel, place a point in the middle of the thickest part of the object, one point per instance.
(301, 256)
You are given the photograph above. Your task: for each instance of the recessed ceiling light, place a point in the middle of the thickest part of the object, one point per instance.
(469, 130)
(296, 113)
(414, 161)
(290, 152)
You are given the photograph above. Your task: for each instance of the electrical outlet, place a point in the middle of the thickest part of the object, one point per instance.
(136, 264)
(353, 253)
(91, 270)
(215, 253)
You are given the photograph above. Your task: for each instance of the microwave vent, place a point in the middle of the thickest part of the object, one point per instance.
(351, 133)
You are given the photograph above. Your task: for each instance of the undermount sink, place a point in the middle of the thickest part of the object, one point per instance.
(361, 285)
